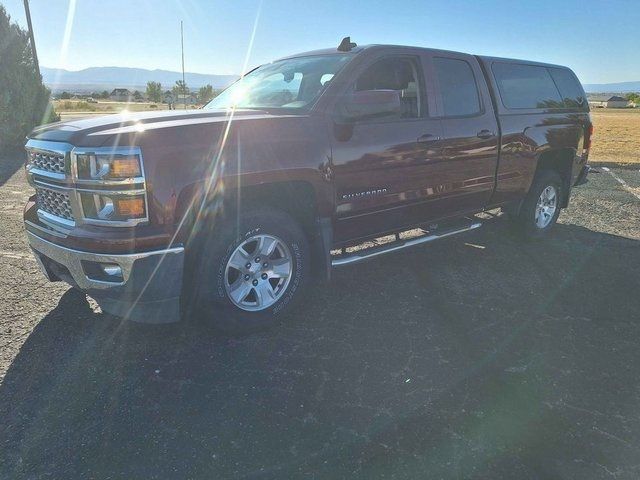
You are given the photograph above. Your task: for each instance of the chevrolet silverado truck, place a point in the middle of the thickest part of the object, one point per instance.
(228, 213)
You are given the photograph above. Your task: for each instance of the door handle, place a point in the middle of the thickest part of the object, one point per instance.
(485, 134)
(428, 138)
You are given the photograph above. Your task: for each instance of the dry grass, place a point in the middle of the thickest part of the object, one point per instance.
(617, 136)
(81, 106)
(77, 109)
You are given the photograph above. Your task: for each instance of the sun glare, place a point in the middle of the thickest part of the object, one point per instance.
(239, 94)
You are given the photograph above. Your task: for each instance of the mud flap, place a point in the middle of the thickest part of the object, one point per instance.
(321, 247)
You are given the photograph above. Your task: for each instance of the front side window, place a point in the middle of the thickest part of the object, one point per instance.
(458, 87)
(526, 86)
(394, 73)
(293, 83)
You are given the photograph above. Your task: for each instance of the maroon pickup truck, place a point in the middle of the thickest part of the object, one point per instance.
(230, 212)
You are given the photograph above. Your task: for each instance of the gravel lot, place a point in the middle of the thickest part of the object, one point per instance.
(477, 357)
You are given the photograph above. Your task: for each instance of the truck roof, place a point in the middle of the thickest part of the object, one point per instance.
(488, 59)
(361, 48)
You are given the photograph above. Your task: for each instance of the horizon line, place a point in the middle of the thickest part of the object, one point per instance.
(237, 74)
(138, 68)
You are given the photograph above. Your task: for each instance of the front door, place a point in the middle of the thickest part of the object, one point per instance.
(380, 164)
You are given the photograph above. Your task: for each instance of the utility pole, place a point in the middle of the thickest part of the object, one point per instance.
(184, 85)
(31, 38)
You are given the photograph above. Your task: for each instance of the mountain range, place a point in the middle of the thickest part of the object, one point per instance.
(107, 78)
(620, 87)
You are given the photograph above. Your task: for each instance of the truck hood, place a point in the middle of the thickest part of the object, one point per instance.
(96, 131)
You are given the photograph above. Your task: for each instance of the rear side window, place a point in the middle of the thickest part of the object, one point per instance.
(570, 89)
(526, 86)
(457, 87)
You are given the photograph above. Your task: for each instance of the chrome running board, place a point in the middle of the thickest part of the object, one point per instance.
(367, 253)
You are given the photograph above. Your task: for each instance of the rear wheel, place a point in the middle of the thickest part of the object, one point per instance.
(248, 272)
(541, 207)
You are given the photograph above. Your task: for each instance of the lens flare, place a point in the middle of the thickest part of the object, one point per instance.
(239, 94)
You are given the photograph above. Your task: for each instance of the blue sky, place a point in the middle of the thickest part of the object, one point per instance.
(600, 40)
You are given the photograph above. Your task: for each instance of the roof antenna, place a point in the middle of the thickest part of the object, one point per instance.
(346, 45)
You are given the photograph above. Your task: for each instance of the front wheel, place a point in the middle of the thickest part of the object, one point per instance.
(249, 271)
(541, 207)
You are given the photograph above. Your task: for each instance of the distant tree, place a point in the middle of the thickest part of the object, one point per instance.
(104, 94)
(205, 93)
(180, 88)
(154, 91)
(137, 95)
(633, 97)
(65, 96)
(24, 100)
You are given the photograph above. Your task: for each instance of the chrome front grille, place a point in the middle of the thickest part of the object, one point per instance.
(48, 171)
(54, 203)
(49, 162)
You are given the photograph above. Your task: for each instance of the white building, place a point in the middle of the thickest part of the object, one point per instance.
(608, 101)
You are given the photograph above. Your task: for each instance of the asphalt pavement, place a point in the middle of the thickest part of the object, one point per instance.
(475, 357)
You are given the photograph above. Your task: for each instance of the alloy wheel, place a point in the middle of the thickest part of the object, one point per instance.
(546, 206)
(258, 272)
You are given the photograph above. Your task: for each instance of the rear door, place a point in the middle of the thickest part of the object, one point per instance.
(469, 145)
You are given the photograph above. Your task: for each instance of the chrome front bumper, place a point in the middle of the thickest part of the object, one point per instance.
(142, 286)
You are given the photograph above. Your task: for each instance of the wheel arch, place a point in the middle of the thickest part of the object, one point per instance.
(561, 161)
(298, 198)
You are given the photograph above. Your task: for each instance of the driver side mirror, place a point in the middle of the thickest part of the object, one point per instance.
(371, 104)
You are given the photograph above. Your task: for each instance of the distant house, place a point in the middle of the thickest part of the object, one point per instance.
(608, 101)
(121, 95)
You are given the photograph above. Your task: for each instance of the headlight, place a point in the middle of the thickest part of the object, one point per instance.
(112, 207)
(108, 166)
(111, 186)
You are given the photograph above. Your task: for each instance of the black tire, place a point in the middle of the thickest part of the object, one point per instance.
(206, 292)
(525, 220)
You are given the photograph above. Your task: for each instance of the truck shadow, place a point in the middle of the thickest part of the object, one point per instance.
(475, 357)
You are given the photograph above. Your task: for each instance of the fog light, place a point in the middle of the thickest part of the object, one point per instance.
(111, 269)
(102, 271)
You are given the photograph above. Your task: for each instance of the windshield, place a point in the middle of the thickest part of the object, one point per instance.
(292, 83)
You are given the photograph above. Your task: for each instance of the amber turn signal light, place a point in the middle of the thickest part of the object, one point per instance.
(130, 207)
(125, 167)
